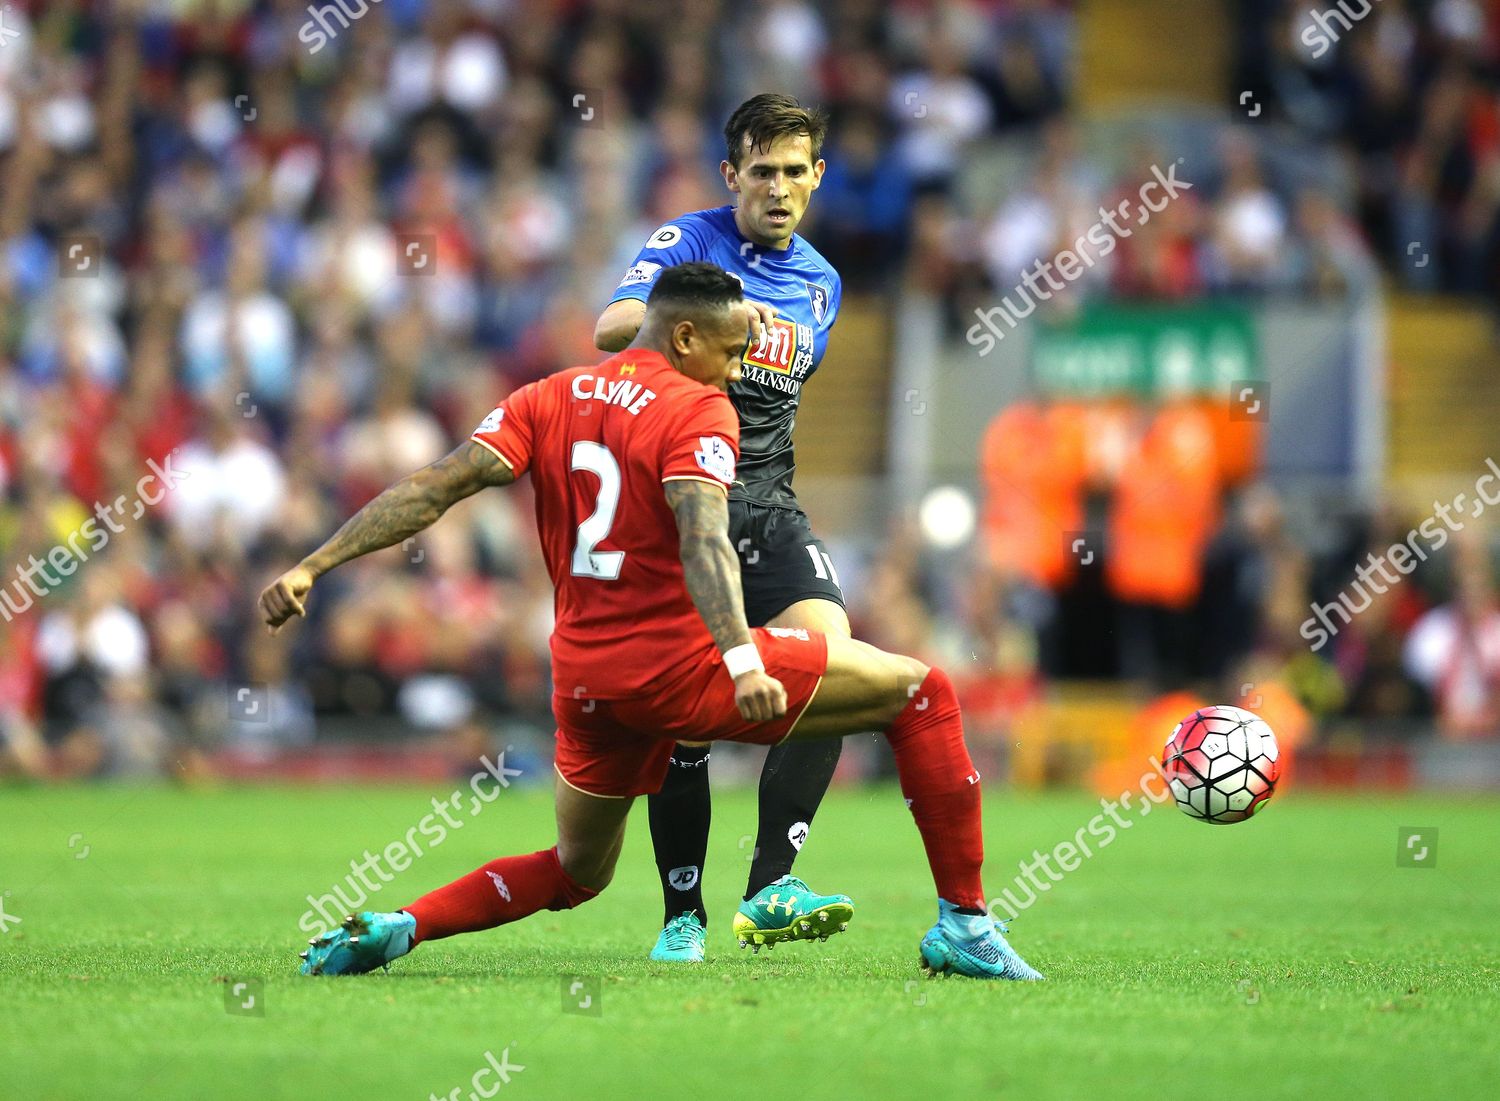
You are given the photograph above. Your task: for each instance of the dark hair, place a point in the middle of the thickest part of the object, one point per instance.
(769, 116)
(691, 290)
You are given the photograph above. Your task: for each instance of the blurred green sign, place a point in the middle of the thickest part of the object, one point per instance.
(1146, 350)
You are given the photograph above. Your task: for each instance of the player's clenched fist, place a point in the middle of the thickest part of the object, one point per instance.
(759, 697)
(286, 597)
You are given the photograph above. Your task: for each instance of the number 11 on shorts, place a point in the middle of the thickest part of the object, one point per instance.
(822, 565)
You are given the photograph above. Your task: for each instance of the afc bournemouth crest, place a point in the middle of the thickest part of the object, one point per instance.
(819, 296)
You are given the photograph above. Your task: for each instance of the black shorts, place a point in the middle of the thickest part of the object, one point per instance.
(781, 560)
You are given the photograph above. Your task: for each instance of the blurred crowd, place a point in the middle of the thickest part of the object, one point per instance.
(1245, 225)
(1358, 135)
(297, 250)
(292, 251)
(1189, 573)
(1408, 92)
(1134, 542)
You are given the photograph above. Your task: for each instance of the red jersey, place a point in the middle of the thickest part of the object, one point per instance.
(599, 442)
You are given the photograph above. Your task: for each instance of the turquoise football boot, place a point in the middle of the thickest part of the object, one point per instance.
(681, 941)
(789, 910)
(972, 945)
(364, 942)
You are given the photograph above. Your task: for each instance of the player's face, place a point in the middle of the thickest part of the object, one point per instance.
(714, 353)
(774, 186)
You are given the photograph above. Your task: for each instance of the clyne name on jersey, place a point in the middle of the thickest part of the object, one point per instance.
(632, 395)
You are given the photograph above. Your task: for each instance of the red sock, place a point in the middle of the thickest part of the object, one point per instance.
(502, 891)
(941, 787)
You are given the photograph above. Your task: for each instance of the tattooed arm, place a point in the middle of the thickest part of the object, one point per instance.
(708, 560)
(402, 510)
(712, 572)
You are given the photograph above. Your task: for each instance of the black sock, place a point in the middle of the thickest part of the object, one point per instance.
(792, 784)
(680, 815)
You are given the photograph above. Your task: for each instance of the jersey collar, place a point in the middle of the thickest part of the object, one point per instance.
(748, 247)
(641, 358)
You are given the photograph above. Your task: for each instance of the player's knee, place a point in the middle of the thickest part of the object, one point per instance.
(572, 895)
(911, 675)
(933, 695)
(575, 894)
(588, 871)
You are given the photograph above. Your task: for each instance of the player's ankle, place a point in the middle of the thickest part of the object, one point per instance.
(758, 883)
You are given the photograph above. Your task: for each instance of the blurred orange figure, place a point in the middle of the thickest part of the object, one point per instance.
(1032, 471)
(1166, 508)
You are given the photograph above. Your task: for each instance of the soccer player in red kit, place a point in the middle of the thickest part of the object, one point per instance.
(631, 461)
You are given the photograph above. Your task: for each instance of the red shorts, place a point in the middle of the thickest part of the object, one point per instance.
(621, 748)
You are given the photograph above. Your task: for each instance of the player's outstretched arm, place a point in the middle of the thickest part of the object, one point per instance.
(712, 573)
(398, 513)
(618, 324)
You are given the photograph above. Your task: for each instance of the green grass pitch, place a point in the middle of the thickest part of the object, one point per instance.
(1284, 957)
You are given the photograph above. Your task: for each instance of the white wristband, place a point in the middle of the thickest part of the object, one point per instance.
(739, 660)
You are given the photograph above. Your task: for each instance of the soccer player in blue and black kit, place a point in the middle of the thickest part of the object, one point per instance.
(772, 166)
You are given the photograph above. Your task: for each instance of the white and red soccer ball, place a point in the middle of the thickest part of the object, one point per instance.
(1222, 764)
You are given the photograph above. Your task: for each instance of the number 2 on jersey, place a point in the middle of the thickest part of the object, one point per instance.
(587, 562)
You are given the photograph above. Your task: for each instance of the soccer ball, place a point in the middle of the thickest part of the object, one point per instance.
(1222, 764)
